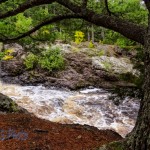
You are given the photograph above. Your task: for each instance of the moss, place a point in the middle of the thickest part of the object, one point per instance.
(101, 53)
(107, 66)
(13, 107)
(112, 146)
(129, 77)
(116, 146)
(7, 104)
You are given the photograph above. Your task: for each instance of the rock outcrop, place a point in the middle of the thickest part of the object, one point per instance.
(98, 67)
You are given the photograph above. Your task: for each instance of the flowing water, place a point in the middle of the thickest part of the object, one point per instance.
(89, 106)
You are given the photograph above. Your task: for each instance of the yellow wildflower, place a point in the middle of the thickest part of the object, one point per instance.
(7, 57)
(9, 51)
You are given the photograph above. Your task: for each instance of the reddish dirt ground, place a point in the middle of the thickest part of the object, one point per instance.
(45, 135)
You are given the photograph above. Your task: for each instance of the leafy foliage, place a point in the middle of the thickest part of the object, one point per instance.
(91, 45)
(23, 23)
(52, 59)
(79, 37)
(31, 61)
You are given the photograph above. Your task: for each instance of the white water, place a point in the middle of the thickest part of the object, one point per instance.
(89, 106)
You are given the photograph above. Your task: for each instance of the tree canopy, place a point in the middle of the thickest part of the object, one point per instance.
(22, 18)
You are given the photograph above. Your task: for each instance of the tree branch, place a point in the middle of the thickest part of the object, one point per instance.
(107, 8)
(147, 3)
(25, 6)
(3, 1)
(46, 22)
(84, 3)
(124, 27)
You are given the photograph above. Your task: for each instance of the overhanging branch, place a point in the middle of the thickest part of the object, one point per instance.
(3, 1)
(84, 3)
(25, 6)
(124, 27)
(46, 22)
(130, 30)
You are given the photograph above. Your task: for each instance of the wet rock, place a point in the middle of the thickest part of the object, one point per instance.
(32, 77)
(12, 67)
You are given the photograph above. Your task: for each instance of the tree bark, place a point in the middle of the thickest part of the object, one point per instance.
(92, 33)
(139, 138)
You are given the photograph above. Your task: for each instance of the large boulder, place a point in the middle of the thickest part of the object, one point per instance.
(116, 65)
(12, 67)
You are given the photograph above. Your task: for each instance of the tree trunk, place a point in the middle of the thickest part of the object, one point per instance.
(89, 38)
(103, 33)
(92, 33)
(139, 138)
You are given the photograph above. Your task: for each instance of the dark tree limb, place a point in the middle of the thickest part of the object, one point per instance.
(124, 27)
(46, 22)
(147, 3)
(25, 6)
(3, 1)
(84, 3)
(107, 8)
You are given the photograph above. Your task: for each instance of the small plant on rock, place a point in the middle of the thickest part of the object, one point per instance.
(51, 59)
(31, 61)
(91, 45)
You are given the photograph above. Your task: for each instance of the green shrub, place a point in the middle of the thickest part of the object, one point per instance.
(107, 65)
(31, 61)
(51, 59)
(91, 45)
(2, 54)
(101, 53)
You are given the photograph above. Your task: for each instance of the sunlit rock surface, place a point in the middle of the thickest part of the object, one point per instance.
(116, 65)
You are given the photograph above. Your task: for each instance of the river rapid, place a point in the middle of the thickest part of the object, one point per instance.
(91, 106)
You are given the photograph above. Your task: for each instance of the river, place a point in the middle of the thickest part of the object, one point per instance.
(91, 106)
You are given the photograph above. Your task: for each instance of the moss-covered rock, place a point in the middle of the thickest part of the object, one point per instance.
(113, 146)
(116, 65)
(7, 105)
(129, 77)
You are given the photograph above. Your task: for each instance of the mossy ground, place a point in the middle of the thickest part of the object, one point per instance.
(113, 146)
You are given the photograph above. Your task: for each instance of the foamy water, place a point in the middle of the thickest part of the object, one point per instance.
(90, 106)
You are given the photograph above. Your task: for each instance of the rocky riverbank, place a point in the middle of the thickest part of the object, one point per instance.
(102, 66)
